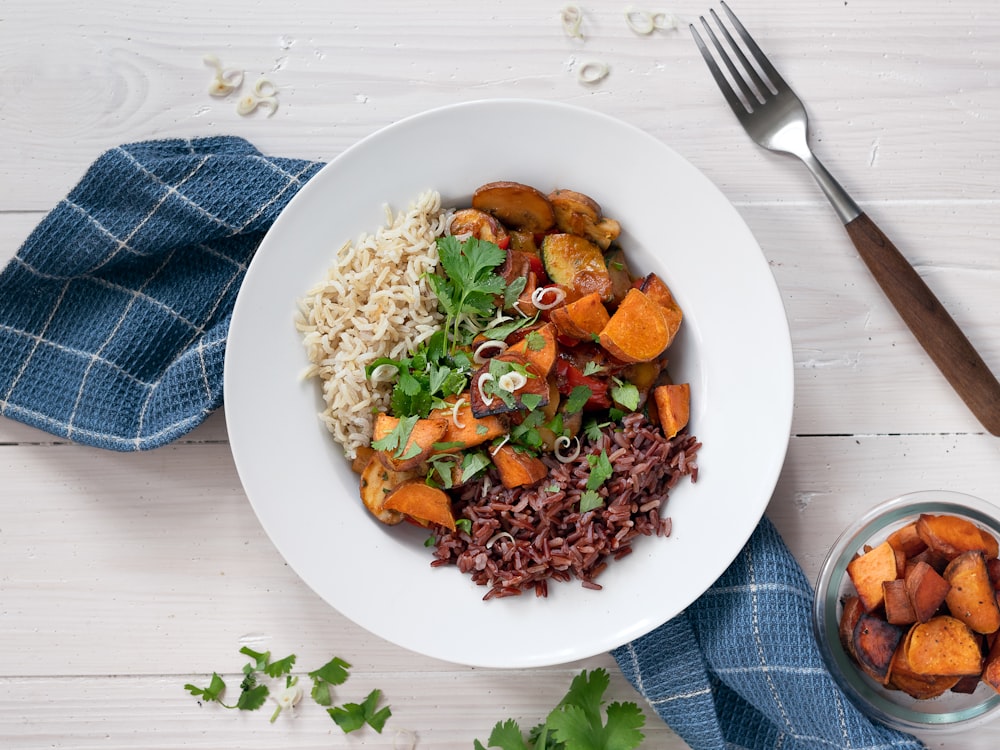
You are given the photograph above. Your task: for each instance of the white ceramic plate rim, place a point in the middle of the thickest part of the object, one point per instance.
(734, 349)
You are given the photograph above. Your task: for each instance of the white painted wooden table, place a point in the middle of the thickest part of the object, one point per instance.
(124, 576)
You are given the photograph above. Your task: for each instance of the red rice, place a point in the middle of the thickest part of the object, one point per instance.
(521, 539)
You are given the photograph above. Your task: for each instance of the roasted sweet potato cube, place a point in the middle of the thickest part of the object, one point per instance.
(918, 686)
(935, 559)
(898, 608)
(907, 540)
(971, 597)
(944, 646)
(673, 407)
(538, 347)
(518, 469)
(417, 445)
(849, 616)
(875, 641)
(581, 319)
(868, 571)
(951, 535)
(463, 426)
(927, 590)
(419, 500)
(638, 331)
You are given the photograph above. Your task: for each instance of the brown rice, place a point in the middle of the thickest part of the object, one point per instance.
(374, 302)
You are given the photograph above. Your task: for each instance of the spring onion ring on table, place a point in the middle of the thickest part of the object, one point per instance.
(535, 432)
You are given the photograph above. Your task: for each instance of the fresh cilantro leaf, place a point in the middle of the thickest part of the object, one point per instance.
(260, 660)
(589, 500)
(352, 716)
(626, 394)
(471, 284)
(591, 368)
(576, 723)
(600, 470)
(506, 735)
(500, 331)
(473, 464)
(464, 524)
(428, 542)
(578, 398)
(534, 341)
(531, 401)
(615, 415)
(280, 667)
(212, 693)
(592, 429)
(252, 695)
(334, 672)
(513, 291)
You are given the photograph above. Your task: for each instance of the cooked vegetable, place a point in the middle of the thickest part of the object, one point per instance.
(538, 348)
(875, 641)
(673, 407)
(991, 668)
(518, 469)
(971, 598)
(898, 607)
(926, 589)
(480, 225)
(491, 394)
(907, 540)
(577, 264)
(403, 444)
(943, 646)
(464, 430)
(576, 213)
(377, 482)
(637, 332)
(581, 319)
(419, 500)
(518, 206)
(621, 275)
(951, 536)
(654, 288)
(868, 571)
(851, 613)
(920, 686)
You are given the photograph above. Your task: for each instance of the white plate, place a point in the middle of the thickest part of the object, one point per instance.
(734, 349)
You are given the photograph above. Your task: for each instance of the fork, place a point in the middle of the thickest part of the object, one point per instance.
(775, 118)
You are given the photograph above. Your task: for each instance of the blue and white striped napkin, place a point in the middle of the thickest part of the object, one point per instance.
(740, 667)
(113, 324)
(115, 311)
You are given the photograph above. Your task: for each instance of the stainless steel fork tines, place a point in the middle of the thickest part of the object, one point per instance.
(775, 118)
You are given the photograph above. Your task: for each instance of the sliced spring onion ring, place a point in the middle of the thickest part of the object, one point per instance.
(454, 413)
(664, 21)
(512, 381)
(562, 443)
(480, 358)
(538, 297)
(593, 71)
(572, 18)
(640, 21)
(483, 379)
(225, 81)
(496, 448)
(497, 537)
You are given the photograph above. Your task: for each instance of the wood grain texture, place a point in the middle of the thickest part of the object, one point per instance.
(123, 576)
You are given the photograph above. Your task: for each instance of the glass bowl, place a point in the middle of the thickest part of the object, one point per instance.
(951, 710)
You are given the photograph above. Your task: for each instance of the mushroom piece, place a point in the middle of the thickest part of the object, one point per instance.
(576, 213)
(479, 224)
(520, 207)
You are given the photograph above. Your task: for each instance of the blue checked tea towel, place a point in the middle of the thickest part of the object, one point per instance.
(113, 323)
(740, 667)
(115, 311)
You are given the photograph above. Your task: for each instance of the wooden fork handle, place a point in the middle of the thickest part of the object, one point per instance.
(934, 328)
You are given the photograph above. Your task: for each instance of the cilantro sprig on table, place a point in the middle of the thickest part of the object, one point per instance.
(577, 722)
(254, 692)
